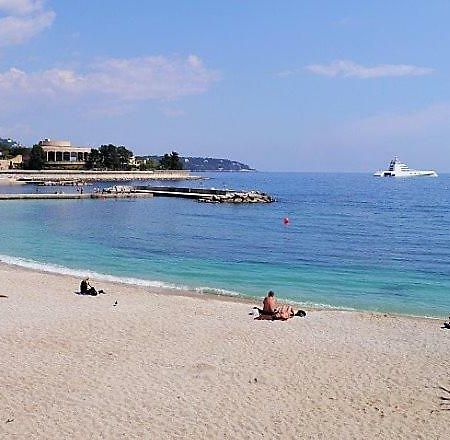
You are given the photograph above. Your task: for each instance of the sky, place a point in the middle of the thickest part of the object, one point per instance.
(305, 85)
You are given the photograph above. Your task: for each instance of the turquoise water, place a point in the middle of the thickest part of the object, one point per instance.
(353, 241)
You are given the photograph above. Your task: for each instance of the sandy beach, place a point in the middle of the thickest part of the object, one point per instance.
(160, 365)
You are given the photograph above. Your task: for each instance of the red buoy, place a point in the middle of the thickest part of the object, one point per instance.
(286, 220)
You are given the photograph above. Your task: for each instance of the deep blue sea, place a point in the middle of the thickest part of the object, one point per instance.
(353, 241)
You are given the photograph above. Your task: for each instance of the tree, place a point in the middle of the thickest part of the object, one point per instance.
(124, 157)
(94, 159)
(37, 158)
(110, 157)
(148, 165)
(171, 162)
(175, 162)
(165, 162)
(15, 151)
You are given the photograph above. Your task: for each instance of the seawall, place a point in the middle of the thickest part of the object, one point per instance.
(59, 175)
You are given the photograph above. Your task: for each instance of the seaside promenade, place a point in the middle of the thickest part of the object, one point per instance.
(22, 176)
(75, 196)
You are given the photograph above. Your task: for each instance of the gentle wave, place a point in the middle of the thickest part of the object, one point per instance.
(81, 273)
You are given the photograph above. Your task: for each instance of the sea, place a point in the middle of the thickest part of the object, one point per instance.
(351, 241)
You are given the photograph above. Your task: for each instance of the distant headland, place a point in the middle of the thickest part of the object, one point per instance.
(204, 164)
(62, 155)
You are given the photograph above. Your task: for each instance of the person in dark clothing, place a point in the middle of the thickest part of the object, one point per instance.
(447, 324)
(87, 289)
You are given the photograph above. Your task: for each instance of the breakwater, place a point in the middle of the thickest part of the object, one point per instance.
(208, 195)
(38, 176)
(352, 241)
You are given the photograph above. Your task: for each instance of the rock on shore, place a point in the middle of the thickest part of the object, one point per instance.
(239, 197)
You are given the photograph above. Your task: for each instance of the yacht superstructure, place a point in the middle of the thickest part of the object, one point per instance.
(399, 169)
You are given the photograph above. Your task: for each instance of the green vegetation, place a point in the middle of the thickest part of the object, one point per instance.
(110, 157)
(146, 164)
(198, 164)
(171, 162)
(37, 158)
(10, 149)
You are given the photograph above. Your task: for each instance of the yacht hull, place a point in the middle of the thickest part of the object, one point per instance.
(399, 169)
(411, 174)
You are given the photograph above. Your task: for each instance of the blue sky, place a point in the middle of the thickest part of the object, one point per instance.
(285, 85)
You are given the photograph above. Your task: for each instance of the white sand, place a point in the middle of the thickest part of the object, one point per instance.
(161, 366)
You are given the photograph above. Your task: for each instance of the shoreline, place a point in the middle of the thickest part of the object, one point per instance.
(16, 176)
(140, 362)
(162, 288)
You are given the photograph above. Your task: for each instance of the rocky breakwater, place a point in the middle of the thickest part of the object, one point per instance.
(238, 197)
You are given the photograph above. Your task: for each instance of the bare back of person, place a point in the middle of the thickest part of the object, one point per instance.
(269, 305)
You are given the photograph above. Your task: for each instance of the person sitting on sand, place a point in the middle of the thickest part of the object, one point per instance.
(270, 310)
(447, 324)
(87, 289)
(269, 305)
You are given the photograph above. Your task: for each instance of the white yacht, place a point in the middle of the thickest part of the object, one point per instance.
(399, 169)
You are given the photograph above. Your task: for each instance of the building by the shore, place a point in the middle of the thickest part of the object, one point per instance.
(62, 155)
(11, 163)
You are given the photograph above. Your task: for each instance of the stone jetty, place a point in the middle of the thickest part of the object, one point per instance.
(239, 197)
(206, 195)
(124, 191)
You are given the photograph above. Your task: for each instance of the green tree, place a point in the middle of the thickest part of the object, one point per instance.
(110, 157)
(175, 162)
(171, 161)
(149, 164)
(15, 151)
(124, 157)
(164, 163)
(94, 159)
(37, 158)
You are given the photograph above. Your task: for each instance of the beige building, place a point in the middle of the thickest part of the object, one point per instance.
(13, 162)
(61, 154)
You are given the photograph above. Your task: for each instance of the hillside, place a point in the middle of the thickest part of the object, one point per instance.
(10, 148)
(211, 164)
(199, 164)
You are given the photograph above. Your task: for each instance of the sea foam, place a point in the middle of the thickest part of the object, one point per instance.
(82, 273)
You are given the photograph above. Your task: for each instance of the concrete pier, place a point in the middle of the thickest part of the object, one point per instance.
(129, 192)
(211, 195)
(128, 195)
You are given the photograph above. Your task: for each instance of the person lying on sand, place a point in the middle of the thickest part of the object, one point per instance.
(270, 310)
(87, 289)
(282, 313)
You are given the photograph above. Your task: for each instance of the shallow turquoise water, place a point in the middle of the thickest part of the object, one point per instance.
(353, 241)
